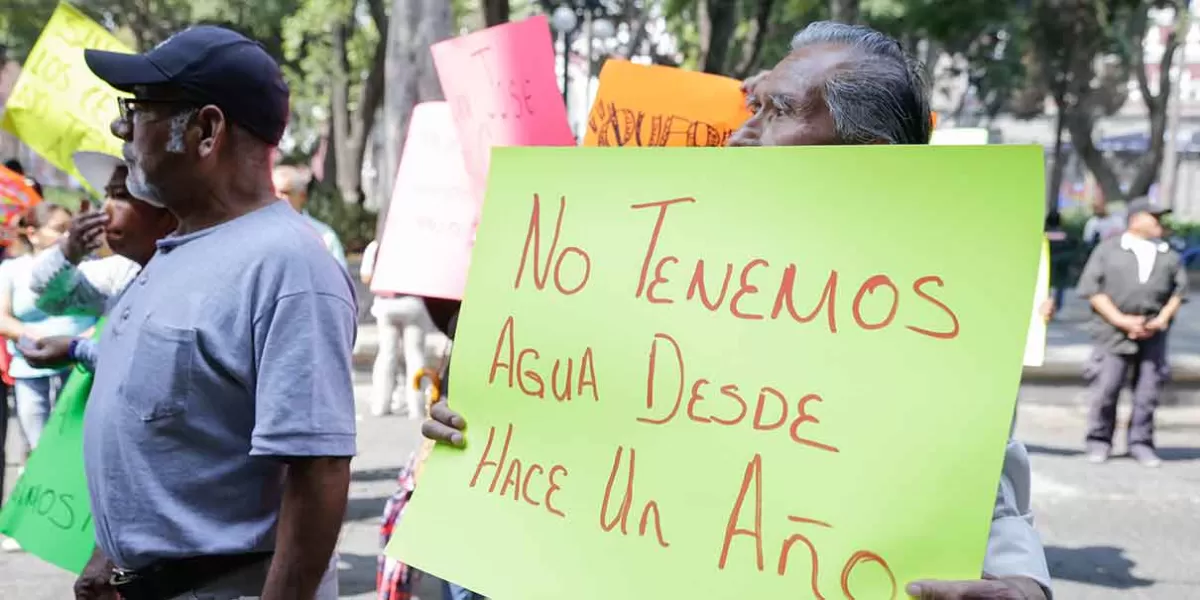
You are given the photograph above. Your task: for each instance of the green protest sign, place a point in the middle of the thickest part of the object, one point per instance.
(48, 511)
(733, 372)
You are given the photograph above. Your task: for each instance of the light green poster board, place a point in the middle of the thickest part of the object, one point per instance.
(49, 511)
(731, 373)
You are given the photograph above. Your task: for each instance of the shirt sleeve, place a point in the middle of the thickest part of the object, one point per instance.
(62, 288)
(304, 395)
(1014, 548)
(85, 353)
(1091, 279)
(1179, 286)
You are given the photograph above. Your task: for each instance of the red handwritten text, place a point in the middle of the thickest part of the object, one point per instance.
(649, 510)
(563, 378)
(520, 478)
(725, 404)
(753, 480)
(541, 272)
(869, 310)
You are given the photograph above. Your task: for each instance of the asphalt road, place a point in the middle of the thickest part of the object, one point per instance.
(1114, 531)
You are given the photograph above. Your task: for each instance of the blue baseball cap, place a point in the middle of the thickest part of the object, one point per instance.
(210, 65)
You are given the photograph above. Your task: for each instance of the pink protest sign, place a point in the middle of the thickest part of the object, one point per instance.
(503, 91)
(430, 229)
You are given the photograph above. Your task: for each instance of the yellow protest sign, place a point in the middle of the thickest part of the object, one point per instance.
(58, 106)
(741, 371)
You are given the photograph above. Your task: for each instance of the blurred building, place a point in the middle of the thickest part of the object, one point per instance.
(1123, 136)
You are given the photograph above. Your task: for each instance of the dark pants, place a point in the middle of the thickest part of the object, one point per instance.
(1147, 371)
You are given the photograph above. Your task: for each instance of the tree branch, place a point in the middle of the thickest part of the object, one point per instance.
(637, 29)
(752, 45)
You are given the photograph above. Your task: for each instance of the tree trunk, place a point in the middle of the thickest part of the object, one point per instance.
(340, 143)
(411, 78)
(1058, 166)
(495, 12)
(1081, 120)
(718, 19)
(752, 46)
(844, 11)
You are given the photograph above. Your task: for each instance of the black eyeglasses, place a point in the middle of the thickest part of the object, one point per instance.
(131, 106)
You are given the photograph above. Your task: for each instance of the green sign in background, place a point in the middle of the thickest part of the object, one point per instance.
(919, 421)
(49, 512)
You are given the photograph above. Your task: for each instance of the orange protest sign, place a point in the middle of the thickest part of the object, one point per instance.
(15, 197)
(639, 105)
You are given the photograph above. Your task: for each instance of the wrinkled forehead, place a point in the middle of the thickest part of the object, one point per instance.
(802, 73)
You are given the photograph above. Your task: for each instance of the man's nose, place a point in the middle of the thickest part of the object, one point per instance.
(746, 135)
(121, 128)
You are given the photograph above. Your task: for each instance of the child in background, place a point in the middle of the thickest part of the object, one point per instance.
(35, 389)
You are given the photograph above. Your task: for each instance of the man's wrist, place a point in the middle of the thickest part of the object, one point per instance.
(73, 349)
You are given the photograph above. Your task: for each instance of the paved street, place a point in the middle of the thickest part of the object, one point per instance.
(1113, 532)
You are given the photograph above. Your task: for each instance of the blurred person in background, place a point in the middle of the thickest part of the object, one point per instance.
(15, 166)
(34, 389)
(1136, 284)
(293, 184)
(1060, 260)
(1102, 225)
(403, 322)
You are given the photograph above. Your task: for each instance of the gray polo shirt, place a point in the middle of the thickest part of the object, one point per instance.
(1113, 270)
(232, 348)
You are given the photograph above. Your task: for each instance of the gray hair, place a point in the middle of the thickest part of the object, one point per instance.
(882, 96)
(178, 127)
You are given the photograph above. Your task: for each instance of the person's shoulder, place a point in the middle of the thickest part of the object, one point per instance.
(320, 225)
(289, 255)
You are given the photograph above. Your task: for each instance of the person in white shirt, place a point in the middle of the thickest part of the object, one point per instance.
(403, 321)
(1136, 284)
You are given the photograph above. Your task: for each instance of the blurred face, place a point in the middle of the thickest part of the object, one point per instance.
(133, 226)
(48, 234)
(285, 189)
(788, 104)
(1146, 225)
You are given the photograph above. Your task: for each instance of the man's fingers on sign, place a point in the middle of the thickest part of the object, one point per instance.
(444, 426)
(984, 589)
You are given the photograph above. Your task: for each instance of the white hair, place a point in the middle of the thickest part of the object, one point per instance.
(881, 96)
(178, 127)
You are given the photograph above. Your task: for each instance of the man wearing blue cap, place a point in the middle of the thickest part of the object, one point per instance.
(220, 427)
